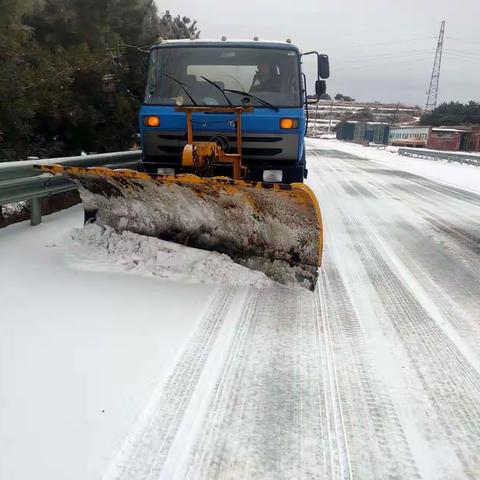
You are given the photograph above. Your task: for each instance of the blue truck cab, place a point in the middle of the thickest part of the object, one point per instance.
(264, 75)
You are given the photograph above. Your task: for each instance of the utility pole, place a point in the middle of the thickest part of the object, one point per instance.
(330, 118)
(395, 115)
(434, 80)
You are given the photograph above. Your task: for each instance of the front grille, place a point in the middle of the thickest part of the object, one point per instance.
(168, 146)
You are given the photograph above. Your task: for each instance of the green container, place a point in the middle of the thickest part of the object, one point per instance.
(346, 131)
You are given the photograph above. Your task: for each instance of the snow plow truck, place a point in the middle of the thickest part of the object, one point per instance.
(222, 128)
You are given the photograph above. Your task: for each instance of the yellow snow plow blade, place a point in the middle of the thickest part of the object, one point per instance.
(274, 228)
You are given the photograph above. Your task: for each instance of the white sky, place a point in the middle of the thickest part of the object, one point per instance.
(379, 49)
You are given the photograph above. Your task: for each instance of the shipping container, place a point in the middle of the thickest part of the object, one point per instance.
(378, 132)
(359, 133)
(363, 132)
(345, 131)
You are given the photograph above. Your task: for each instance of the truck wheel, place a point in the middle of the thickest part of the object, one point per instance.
(89, 216)
(303, 162)
(295, 175)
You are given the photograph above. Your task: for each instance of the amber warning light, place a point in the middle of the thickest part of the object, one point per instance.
(288, 123)
(152, 121)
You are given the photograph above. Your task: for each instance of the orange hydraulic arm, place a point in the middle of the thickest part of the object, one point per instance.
(201, 154)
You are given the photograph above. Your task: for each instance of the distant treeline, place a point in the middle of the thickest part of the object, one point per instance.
(59, 58)
(453, 113)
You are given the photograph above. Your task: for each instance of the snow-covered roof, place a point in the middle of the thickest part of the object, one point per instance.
(450, 130)
(412, 127)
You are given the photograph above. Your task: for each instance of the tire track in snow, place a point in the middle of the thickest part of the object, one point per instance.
(146, 449)
(447, 211)
(434, 244)
(272, 415)
(377, 443)
(457, 222)
(429, 184)
(449, 379)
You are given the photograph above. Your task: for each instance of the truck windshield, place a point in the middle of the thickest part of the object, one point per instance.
(268, 73)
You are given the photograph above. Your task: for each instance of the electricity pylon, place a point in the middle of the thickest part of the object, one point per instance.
(433, 89)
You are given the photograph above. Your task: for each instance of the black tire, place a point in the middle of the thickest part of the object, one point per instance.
(89, 216)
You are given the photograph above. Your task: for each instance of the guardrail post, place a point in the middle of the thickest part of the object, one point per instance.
(35, 211)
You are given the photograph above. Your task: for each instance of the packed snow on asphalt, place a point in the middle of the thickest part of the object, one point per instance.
(123, 357)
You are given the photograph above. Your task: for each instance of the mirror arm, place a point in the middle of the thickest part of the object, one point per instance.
(306, 102)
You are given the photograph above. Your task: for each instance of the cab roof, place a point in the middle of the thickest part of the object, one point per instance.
(225, 43)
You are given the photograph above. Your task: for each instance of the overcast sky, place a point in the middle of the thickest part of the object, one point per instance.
(379, 49)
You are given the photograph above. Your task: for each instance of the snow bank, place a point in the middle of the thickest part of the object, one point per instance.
(102, 249)
(13, 212)
(12, 208)
(81, 352)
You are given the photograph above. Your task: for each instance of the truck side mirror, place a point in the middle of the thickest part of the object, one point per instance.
(323, 71)
(323, 66)
(320, 88)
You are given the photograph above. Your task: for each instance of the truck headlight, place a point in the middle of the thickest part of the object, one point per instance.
(165, 171)
(272, 176)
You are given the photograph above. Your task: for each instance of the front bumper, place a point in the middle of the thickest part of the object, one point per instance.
(291, 173)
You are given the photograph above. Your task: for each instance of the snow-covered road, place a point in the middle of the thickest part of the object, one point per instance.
(402, 302)
(375, 375)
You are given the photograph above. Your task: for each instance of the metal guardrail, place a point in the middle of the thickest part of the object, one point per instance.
(20, 181)
(460, 157)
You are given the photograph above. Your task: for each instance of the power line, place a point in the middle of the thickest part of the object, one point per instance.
(386, 43)
(463, 52)
(461, 55)
(456, 39)
(462, 59)
(370, 65)
(392, 54)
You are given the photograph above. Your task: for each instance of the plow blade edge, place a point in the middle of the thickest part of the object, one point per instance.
(273, 228)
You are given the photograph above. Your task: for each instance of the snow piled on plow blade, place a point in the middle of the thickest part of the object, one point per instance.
(94, 248)
(272, 228)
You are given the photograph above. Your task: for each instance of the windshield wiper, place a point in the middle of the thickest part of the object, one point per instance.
(183, 85)
(218, 87)
(264, 102)
(238, 92)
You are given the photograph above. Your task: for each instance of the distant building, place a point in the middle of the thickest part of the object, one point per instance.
(452, 139)
(409, 136)
(363, 132)
(436, 138)
(475, 141)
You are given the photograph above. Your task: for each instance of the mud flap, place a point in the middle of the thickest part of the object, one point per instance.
(274, 228)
